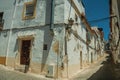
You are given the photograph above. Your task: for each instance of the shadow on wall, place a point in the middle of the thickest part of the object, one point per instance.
(46, 32)
(46, 47)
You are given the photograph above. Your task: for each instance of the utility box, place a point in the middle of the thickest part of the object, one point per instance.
(51, 71)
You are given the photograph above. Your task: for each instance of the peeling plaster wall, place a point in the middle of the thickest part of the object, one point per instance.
(41, 36)
(40, 29)
(43, 14)
(74, 44)
(39, 18)
(59, 11)
(42, 17)
(7, 6)
(69, 11)
(36, 27)
(74, 47)
(115, 8)
(57, 45)
(36, 48)
(3, 44)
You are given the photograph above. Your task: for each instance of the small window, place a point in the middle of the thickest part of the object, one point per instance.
(45, 47)
(1, 20)
(1, 16)
(29, 10)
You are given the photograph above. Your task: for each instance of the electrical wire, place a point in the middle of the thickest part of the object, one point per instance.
(99, 20)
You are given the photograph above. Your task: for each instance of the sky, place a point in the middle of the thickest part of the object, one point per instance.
(97, 13)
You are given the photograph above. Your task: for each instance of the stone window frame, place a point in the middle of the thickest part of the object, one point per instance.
(24, 16)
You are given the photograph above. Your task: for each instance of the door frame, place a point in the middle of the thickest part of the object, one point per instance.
(21, 38)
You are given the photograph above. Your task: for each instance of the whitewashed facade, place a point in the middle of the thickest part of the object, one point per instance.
(55, 33)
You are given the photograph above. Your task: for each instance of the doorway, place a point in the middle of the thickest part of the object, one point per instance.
(25, 52)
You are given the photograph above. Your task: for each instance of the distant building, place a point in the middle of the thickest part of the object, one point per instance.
(99, 41)
(49, 37)
(114, 36)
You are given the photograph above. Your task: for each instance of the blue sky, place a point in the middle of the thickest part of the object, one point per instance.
(97, 13)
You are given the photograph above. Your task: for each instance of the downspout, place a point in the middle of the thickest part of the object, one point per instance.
(52, 15)
(67, 29)
(66, 54)
(52, 24)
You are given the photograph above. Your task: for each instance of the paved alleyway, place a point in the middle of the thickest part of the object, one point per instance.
(103, 70)
(6, 74)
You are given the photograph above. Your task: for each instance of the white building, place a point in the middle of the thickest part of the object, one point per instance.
(49, 36)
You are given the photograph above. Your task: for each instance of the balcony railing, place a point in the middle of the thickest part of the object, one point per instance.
(1, 24)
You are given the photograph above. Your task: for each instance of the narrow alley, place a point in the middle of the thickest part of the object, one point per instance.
(60, 39)
(103, 70)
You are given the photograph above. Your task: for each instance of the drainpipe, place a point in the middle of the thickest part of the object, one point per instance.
(66, 54)
(67, 29)
(52, 24)
(52, 15)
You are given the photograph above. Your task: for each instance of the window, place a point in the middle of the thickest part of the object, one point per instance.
(45, 47)
(1, 16)
(1, 20)
(29, 10)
